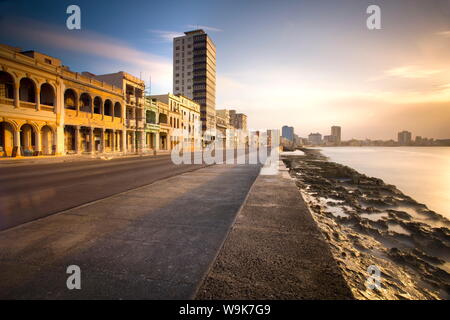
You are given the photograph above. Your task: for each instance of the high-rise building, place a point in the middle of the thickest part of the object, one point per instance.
(336, 133)
(194, 73)
(287, 132)
(404, 138)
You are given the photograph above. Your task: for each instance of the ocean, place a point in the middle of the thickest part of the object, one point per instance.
(422, 173)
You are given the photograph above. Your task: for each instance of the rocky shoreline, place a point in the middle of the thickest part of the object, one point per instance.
(367, 222)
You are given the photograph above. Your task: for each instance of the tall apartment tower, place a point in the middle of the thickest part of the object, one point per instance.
(287, 132)
(336, 134)
(194, 73)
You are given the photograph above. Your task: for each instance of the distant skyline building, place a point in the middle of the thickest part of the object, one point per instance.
(315, 138)
(336, 134)
(194, 73)
(238, 120)
(404, 138)
(288, 133)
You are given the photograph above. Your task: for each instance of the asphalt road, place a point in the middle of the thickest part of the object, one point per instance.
(38, 190)
(153, 242)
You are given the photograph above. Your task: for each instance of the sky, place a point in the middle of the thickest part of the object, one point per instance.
(307, 64)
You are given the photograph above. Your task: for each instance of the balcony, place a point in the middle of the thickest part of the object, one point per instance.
(7, 101)
(130, 123)
(140, 124)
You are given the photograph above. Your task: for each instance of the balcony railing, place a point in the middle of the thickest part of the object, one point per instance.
(7, 101)
(130, 123)
(28, 105)
(45, 107)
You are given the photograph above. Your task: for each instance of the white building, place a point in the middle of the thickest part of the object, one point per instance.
(194, 73)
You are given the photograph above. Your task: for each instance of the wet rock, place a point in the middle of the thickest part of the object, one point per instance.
(409, 260)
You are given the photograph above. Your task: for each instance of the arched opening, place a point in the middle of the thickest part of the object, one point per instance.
(163, 141)
(117, 110)
(98, 147)
(98, 105)
(85, 103)
(27, 91)
(6, 85)
(108, 107)
(47, 140)
(150, 116)
(70, 139)
(27, 139)
(70, 99)
(47, 96)
(85, 139)
(6, 139)
(162, 118)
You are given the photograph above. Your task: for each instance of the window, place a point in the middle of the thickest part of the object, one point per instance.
(48, 61)
(177, 48)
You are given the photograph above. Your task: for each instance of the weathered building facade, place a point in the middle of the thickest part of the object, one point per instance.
(133, 95)
(30, 103)
(152, 127)
(47, 109)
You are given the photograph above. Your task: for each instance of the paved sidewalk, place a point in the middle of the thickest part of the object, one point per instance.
(154, 242)
(24, 161)
(275, 250)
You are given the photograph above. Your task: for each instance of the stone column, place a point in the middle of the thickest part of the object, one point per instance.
(17, 94)
(16, 138)
(77, 140)
(38, 98)
(124, 141)
(38, 143)
(156, 142)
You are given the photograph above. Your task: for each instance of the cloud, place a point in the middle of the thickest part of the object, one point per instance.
(445, 34)
(166, 35)
(412, 72)
(206, 28)
(91, 43)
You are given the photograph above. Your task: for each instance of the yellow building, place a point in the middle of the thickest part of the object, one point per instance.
(93, 114)
(47, 109)
(184, 114)
(133, 93)
(165, 128)
(30, 103)
(190, 123)
(173, 116)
